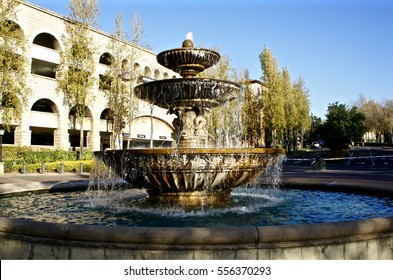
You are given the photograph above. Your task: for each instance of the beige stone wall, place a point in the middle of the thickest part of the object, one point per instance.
(34, 20)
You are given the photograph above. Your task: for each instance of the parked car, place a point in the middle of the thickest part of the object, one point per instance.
(315, 145)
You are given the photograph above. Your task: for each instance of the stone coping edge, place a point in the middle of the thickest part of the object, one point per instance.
(195, 235)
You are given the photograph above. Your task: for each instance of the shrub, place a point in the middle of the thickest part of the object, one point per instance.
(69, 166)
(19, 155)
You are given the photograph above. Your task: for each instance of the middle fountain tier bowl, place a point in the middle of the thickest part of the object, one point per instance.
(194, 93)
(190, 176)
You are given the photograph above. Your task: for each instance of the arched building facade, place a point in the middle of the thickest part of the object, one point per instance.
(47, 122)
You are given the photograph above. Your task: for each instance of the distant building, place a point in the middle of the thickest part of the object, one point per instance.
(47, 122)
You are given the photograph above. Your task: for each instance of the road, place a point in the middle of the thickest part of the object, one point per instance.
(363, 163)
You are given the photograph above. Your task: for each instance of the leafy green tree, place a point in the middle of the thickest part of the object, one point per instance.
(388, 113)
(379, 117)
(373, 112)
(301, 104)
(314, 133)
(14, 90)
(75, 73)
(297, 111)
(252, 115)
(225, 120)
(273, 98)
(222, 70)
(290, 109)
(342, 126)
(119, 80)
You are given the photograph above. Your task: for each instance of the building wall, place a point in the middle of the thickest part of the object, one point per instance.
(36, 125)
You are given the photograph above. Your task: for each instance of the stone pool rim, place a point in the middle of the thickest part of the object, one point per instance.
(357, 239)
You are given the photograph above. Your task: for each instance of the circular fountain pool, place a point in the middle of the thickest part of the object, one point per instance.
(248, 207)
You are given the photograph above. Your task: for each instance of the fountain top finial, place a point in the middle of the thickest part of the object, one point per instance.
(188, 42)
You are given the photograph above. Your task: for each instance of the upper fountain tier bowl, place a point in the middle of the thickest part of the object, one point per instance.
(188, 61)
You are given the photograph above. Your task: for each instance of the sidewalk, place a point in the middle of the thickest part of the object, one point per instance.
(16, 182)
(12, 178)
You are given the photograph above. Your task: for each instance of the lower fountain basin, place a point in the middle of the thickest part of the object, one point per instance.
(356, 239)
(190, 175)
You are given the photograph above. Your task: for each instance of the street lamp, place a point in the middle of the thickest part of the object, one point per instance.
(1, 144)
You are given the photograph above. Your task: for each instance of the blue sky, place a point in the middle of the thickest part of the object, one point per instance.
(341, 48)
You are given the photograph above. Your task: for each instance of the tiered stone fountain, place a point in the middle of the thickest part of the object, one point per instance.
(191, 173)
(194, 171)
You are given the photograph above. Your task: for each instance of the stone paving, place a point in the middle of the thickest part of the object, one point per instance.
(15, 182)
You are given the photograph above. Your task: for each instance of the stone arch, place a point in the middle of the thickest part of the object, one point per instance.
(106, 114)
(141, 131)
(137, 67)
(106, 123)
(47, 40)
(74, 128)
(125, 65)
(156, 74)
(45, 105)
(106, 58)
(10, 107)
(43, 132)
(13, 29)
(137, 70)
(105, 81)
(45, 55)
(126, 72)
(147, 72)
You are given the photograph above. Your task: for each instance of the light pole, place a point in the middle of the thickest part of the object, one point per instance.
(1, 144)
(1, 152)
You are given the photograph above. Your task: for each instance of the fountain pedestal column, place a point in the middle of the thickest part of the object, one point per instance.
(191, 127)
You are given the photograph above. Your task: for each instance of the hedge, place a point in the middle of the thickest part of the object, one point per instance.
(30, 155)
(69, 166)
(15, 156)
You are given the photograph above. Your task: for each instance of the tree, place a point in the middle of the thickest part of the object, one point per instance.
(301, 104)
(225, 120)
(252, 114)
(14, 90)
(290, 109)
(75, 73)
(388, 113)
(342, 126)
(379, 117)
(314, 133)
(374, 116)
(273, 98)
(119, 80)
